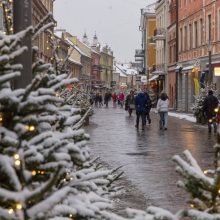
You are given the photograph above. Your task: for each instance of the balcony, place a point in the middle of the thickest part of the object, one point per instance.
(159, 70)
(159, 34)
(139, 53)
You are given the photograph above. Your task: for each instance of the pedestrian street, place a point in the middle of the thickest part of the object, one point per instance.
(145, 156)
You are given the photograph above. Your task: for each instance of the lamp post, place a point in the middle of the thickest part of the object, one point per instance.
(210, 77)
(22, 18)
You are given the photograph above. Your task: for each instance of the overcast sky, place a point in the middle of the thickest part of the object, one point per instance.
(116, 22)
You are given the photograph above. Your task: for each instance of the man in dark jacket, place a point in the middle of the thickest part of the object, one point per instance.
(149, 106)
(209, 106)
(141, 109)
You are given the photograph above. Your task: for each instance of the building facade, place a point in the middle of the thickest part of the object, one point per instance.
(96, 67)
(161, 38)
(147, 54)
(199, 48)
(42, 8)
(172, 41)
(106, 62)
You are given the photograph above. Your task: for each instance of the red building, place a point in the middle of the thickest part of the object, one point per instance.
(199, 47)
(172, 40)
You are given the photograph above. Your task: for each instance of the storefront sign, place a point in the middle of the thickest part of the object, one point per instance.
(143, 79)
(217, 71)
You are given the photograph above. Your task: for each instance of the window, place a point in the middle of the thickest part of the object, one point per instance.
(190, 36)
(195, 35)
(201, 32)
(174, 53)
(209, 28)
(181, 40)
(185, 38)
(170, 57)
(219, 25)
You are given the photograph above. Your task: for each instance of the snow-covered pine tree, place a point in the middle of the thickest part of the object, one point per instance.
(198, 106)
(203, 187)
(44, 159)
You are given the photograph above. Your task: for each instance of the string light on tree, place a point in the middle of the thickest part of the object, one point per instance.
(30, 128)
(34, 173)
(19, 206)
(10, 211)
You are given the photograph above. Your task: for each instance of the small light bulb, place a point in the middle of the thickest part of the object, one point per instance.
(191, 205)
(38, 171)
(17, 163)
(31, 128)
(10, 211)
(1, 118)
(33, 173)
(18, 206)
(205, 171)
(216, 110)
(42, 172)
(210, 120)
(16, 156)
(219, 191)
(70, 215)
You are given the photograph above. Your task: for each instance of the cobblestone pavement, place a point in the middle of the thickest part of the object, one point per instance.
(146, 155)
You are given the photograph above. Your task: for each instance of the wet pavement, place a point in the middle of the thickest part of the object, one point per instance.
(146, 155)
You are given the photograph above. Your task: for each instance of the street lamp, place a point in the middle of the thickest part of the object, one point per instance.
(210, 77)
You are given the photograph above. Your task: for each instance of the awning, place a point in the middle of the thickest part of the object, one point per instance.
(158, 72)
(187, 68)
(178, 67)
(153, 78)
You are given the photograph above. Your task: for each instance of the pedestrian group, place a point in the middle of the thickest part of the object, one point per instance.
(141, 104)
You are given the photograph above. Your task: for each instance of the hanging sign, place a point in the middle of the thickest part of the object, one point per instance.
(217, 71)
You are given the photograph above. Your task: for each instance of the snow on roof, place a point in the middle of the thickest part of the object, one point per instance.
(126, 68)
(119, 71)
(150, 8)
(76, 47)
(58, 34)
(74, 61)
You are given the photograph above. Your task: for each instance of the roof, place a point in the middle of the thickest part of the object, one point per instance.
(126, 69)
(76, 47)
(58, 34)
(74, 61)
(119, 71)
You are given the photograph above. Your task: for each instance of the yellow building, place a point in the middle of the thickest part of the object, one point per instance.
(85, 54)
(151, 51)
(148, 52)
(106, 62)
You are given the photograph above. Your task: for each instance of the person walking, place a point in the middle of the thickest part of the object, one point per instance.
(107, 98)
(100, 100)
(121, 99)
(149, 106)
(141, 107)
(130, 102)
(209, 106)
(162, 108)
(114, 99)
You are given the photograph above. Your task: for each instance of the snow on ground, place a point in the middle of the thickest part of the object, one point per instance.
(187, 117)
